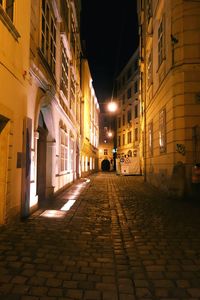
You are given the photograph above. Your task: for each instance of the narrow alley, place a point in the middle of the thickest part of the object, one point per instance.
(120, 240)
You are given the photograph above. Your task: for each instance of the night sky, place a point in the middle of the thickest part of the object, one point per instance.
(109, 29)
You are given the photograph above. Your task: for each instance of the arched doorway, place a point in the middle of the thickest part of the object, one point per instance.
(41, 160)
(105, 165)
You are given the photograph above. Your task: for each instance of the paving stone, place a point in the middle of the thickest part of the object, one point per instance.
(121, 240)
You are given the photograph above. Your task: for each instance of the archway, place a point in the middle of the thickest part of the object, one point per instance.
(105, 165)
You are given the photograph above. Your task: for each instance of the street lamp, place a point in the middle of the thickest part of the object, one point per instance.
(112, 106)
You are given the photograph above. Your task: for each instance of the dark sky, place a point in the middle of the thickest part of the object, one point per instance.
(109, 28)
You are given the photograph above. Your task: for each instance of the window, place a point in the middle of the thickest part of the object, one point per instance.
(8, 7)
(73, 40)
(65, 73)
(119, 141)
(123, 120)
(136, 134)
(48, 35)
(73, 93)
(149, 69)
(129, 137)
(129, 93)
(105, 151)
(136, 111)
(123, 99)
(162, 131)
(123, 139)
(150, 129)
(129, 72)
(135, 87)
(63, 150)
(161, 42)
(119, 122)
(129, 116)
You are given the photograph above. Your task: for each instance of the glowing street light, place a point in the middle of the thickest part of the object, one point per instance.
(112, 106)
(110, 134)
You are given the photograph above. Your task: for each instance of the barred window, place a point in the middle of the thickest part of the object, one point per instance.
(48, 35)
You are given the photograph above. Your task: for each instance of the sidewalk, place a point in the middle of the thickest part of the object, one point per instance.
(120, 240)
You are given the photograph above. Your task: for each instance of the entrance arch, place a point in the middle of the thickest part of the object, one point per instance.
(105, 165)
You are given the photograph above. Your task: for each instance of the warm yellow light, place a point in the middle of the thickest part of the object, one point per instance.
(68, 205)
(112, 106)
(110, 134)
(53, 214)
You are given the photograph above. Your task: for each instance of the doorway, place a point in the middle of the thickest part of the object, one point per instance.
(41, 161)
(4, 139)
(105, 165)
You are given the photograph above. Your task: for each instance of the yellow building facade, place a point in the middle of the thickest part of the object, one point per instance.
(89, 122)
(128, 116)
(170, 93)
(14, 65)
(40, 103)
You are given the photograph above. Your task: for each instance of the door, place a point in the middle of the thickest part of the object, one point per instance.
(4, 141)
(41, 164)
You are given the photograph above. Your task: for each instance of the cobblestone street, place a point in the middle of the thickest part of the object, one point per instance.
(120, 240)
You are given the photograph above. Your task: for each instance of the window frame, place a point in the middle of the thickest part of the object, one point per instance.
(48, 35)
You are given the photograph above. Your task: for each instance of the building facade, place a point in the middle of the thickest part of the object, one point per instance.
(40, 103)
(128, 117)
(170, 93)
(89, 122)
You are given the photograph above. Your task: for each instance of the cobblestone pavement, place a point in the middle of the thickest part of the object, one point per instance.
(120, 240)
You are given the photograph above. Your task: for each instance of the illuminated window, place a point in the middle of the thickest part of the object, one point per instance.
(129, 137)
(63, 150)
(8, 7)
(161, 42)
(162, 131)
(150, 127)
(48, 35)
(105, 151)
(65, 73)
